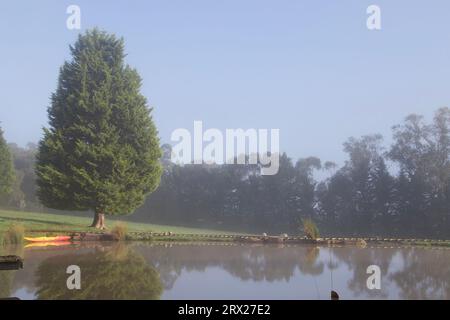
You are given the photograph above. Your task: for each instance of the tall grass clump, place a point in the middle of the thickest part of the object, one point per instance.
(310, 229)
(120, 231)
(13, 235)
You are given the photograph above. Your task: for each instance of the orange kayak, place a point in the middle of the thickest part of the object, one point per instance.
(48, 239)
(48, 244)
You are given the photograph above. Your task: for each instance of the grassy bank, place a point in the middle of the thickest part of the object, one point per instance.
(34, 222)
(37, 224)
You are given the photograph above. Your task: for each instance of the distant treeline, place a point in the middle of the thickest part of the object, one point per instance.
(363, 197)
(402, 190)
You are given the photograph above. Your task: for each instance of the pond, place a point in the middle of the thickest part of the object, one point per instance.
(226, 271)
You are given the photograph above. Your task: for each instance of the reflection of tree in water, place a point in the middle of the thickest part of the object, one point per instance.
(117, 273)
(310, 264)
(6, 280)
(256, 263)
(358, 259)
(274, 263)
(7, 276)
(264, 263)
(425, 274)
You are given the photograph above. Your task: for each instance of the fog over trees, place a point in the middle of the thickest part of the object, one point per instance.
(398, 190)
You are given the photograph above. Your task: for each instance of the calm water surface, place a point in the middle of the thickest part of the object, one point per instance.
(201, 271)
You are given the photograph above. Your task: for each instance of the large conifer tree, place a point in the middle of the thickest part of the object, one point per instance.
(101, 151)
(6, 167)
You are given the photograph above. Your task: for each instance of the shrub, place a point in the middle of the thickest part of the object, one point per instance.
(119, 231)
(310, 229)
(14, 234)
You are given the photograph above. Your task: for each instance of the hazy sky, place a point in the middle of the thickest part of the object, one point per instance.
(310, 68)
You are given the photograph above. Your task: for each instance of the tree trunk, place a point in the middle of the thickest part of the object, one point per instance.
(95, 222)
(99, 221)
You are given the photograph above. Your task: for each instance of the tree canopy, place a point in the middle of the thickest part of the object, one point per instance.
(6, 167)
(101, 151)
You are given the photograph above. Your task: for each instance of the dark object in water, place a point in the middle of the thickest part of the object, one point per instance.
(11, 263)
(334, 295)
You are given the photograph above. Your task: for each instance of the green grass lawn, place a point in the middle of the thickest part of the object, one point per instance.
(34, 221)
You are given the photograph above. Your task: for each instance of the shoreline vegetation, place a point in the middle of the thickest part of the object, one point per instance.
(40, 224)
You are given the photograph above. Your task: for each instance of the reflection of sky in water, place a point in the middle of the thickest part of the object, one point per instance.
(221, 285)
(24, 294)
(260, 272)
